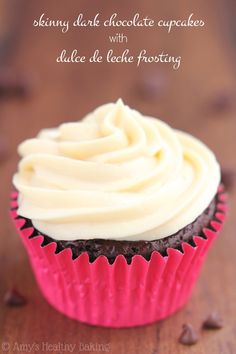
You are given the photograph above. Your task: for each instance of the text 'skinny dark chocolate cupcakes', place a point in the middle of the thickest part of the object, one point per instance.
(117, 212)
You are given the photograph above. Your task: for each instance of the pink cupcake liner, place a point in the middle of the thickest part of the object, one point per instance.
(118, 294)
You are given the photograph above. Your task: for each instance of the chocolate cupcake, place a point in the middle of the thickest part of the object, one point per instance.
(121, 188)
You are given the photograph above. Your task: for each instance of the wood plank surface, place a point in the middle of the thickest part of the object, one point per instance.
(189, 98)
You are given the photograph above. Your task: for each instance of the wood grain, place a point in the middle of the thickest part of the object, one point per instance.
(66, 92)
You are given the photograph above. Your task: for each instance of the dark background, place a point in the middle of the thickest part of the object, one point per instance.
(36, 92)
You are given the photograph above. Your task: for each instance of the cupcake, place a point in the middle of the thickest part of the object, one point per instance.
(117, 212)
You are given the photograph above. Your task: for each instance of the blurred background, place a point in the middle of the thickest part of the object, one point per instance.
(199, 97)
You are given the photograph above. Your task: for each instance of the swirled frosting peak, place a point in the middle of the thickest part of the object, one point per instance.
(115, 174)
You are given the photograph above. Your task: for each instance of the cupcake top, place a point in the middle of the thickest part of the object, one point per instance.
(116, 174)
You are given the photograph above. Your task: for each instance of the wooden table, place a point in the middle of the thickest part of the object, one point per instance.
(185, 99)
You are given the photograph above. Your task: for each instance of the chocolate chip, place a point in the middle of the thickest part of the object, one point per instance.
(14, 298)
(221, 102)
(13, 84)
(228, 176)
(151, 86)
(213, 321)
(188, 335)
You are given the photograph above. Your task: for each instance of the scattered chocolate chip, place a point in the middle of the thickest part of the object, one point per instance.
(221, 102)
(151, 86)
(13, 84)
(14, 298)
(213, 321)
(188, 335)
(228, 176)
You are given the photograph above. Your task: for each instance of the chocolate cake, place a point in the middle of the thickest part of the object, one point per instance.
(112, 248)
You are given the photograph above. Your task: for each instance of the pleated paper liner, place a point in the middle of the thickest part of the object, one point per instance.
(118, 294)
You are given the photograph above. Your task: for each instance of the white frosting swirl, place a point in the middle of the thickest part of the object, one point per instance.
(115, 174)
